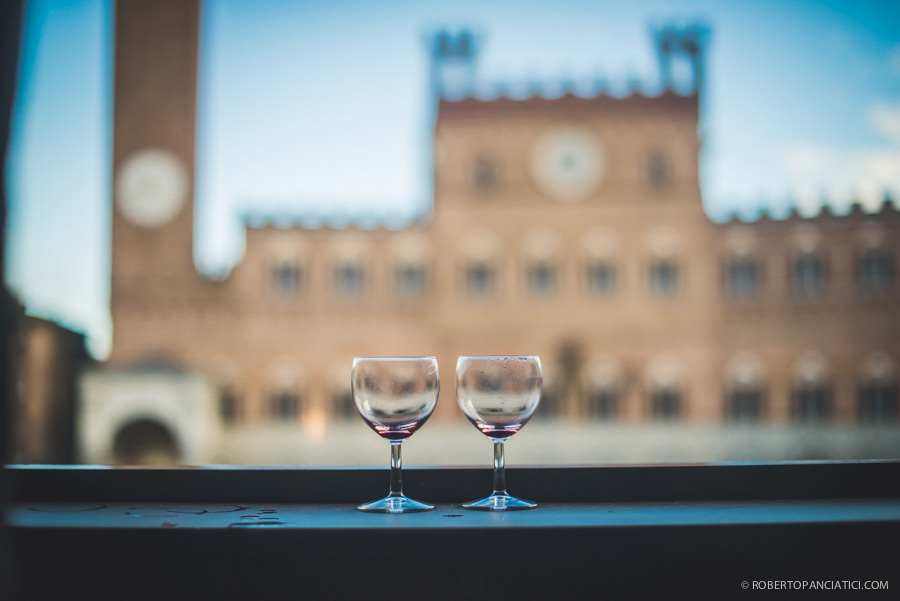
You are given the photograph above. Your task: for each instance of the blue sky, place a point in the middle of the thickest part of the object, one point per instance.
(322, 108)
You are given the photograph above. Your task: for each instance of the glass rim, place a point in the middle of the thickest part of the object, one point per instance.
(407, 358)
(498, 357)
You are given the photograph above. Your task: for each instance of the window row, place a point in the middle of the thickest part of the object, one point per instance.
(808, 272)
(810, 402)
(480, 279)
(283, 406)
(876, 402)
(349, 280)
(743, 277)
(542, 278)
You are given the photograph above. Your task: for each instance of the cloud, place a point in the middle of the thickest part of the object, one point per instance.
(841, 174)
(885, 119)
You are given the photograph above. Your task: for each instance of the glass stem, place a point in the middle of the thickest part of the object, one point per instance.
(396, 474)
(499, 469)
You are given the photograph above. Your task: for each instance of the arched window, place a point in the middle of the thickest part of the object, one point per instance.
(741, 269)
(284, 405)
(665, 384)
(484, 174)
(745, 403)
(811, 402)
(600, 273)
(742, 275)
(541, 248)
(875, 269)
(812, 393)
(808, 265)
(409, 280)
(744, 389)
(480, 277)
(286, 279)
(286, 275)
(664, 271)
(349, 279)
(878, 401)
(600, 277)
(410, 253)
(603, 385)
(878, 390)
(541, 278)
(656, 170)
(349, 252)
(663, 277)
(665, 404)
(808, 273)
(285, 391)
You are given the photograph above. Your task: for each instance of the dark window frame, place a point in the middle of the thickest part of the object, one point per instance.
(600, 286)
(350, 281)
(604, 403)
(875, 270)
(745, 404)
(664, 277)
(809, 273)
(743, 276)
(811, 403)
(666, 404)
(542, 278)
(287, 278)
(411, 289)
(878, 402)
(480, 279)
(485, 175)
(284, 405)
(657, 170)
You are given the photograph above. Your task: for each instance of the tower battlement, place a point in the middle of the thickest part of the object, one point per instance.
(680, 50)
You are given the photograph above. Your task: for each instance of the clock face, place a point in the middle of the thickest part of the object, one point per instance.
(151, 187)
(568, 163)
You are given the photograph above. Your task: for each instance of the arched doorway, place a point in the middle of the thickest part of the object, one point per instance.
(145, 442)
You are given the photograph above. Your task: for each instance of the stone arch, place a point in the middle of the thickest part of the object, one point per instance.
(146, 441)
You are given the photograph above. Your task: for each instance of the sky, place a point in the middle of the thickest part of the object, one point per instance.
(322, 110)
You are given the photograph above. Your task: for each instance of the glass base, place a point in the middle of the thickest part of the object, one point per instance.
(497, 502)
(395, 504)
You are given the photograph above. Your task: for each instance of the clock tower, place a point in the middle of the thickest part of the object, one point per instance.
(155, 97)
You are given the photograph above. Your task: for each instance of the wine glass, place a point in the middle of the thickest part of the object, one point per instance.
(499, 396)
(395, 396)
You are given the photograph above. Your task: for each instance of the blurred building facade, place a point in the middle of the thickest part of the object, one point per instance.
(48, 361)
(571, 227)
